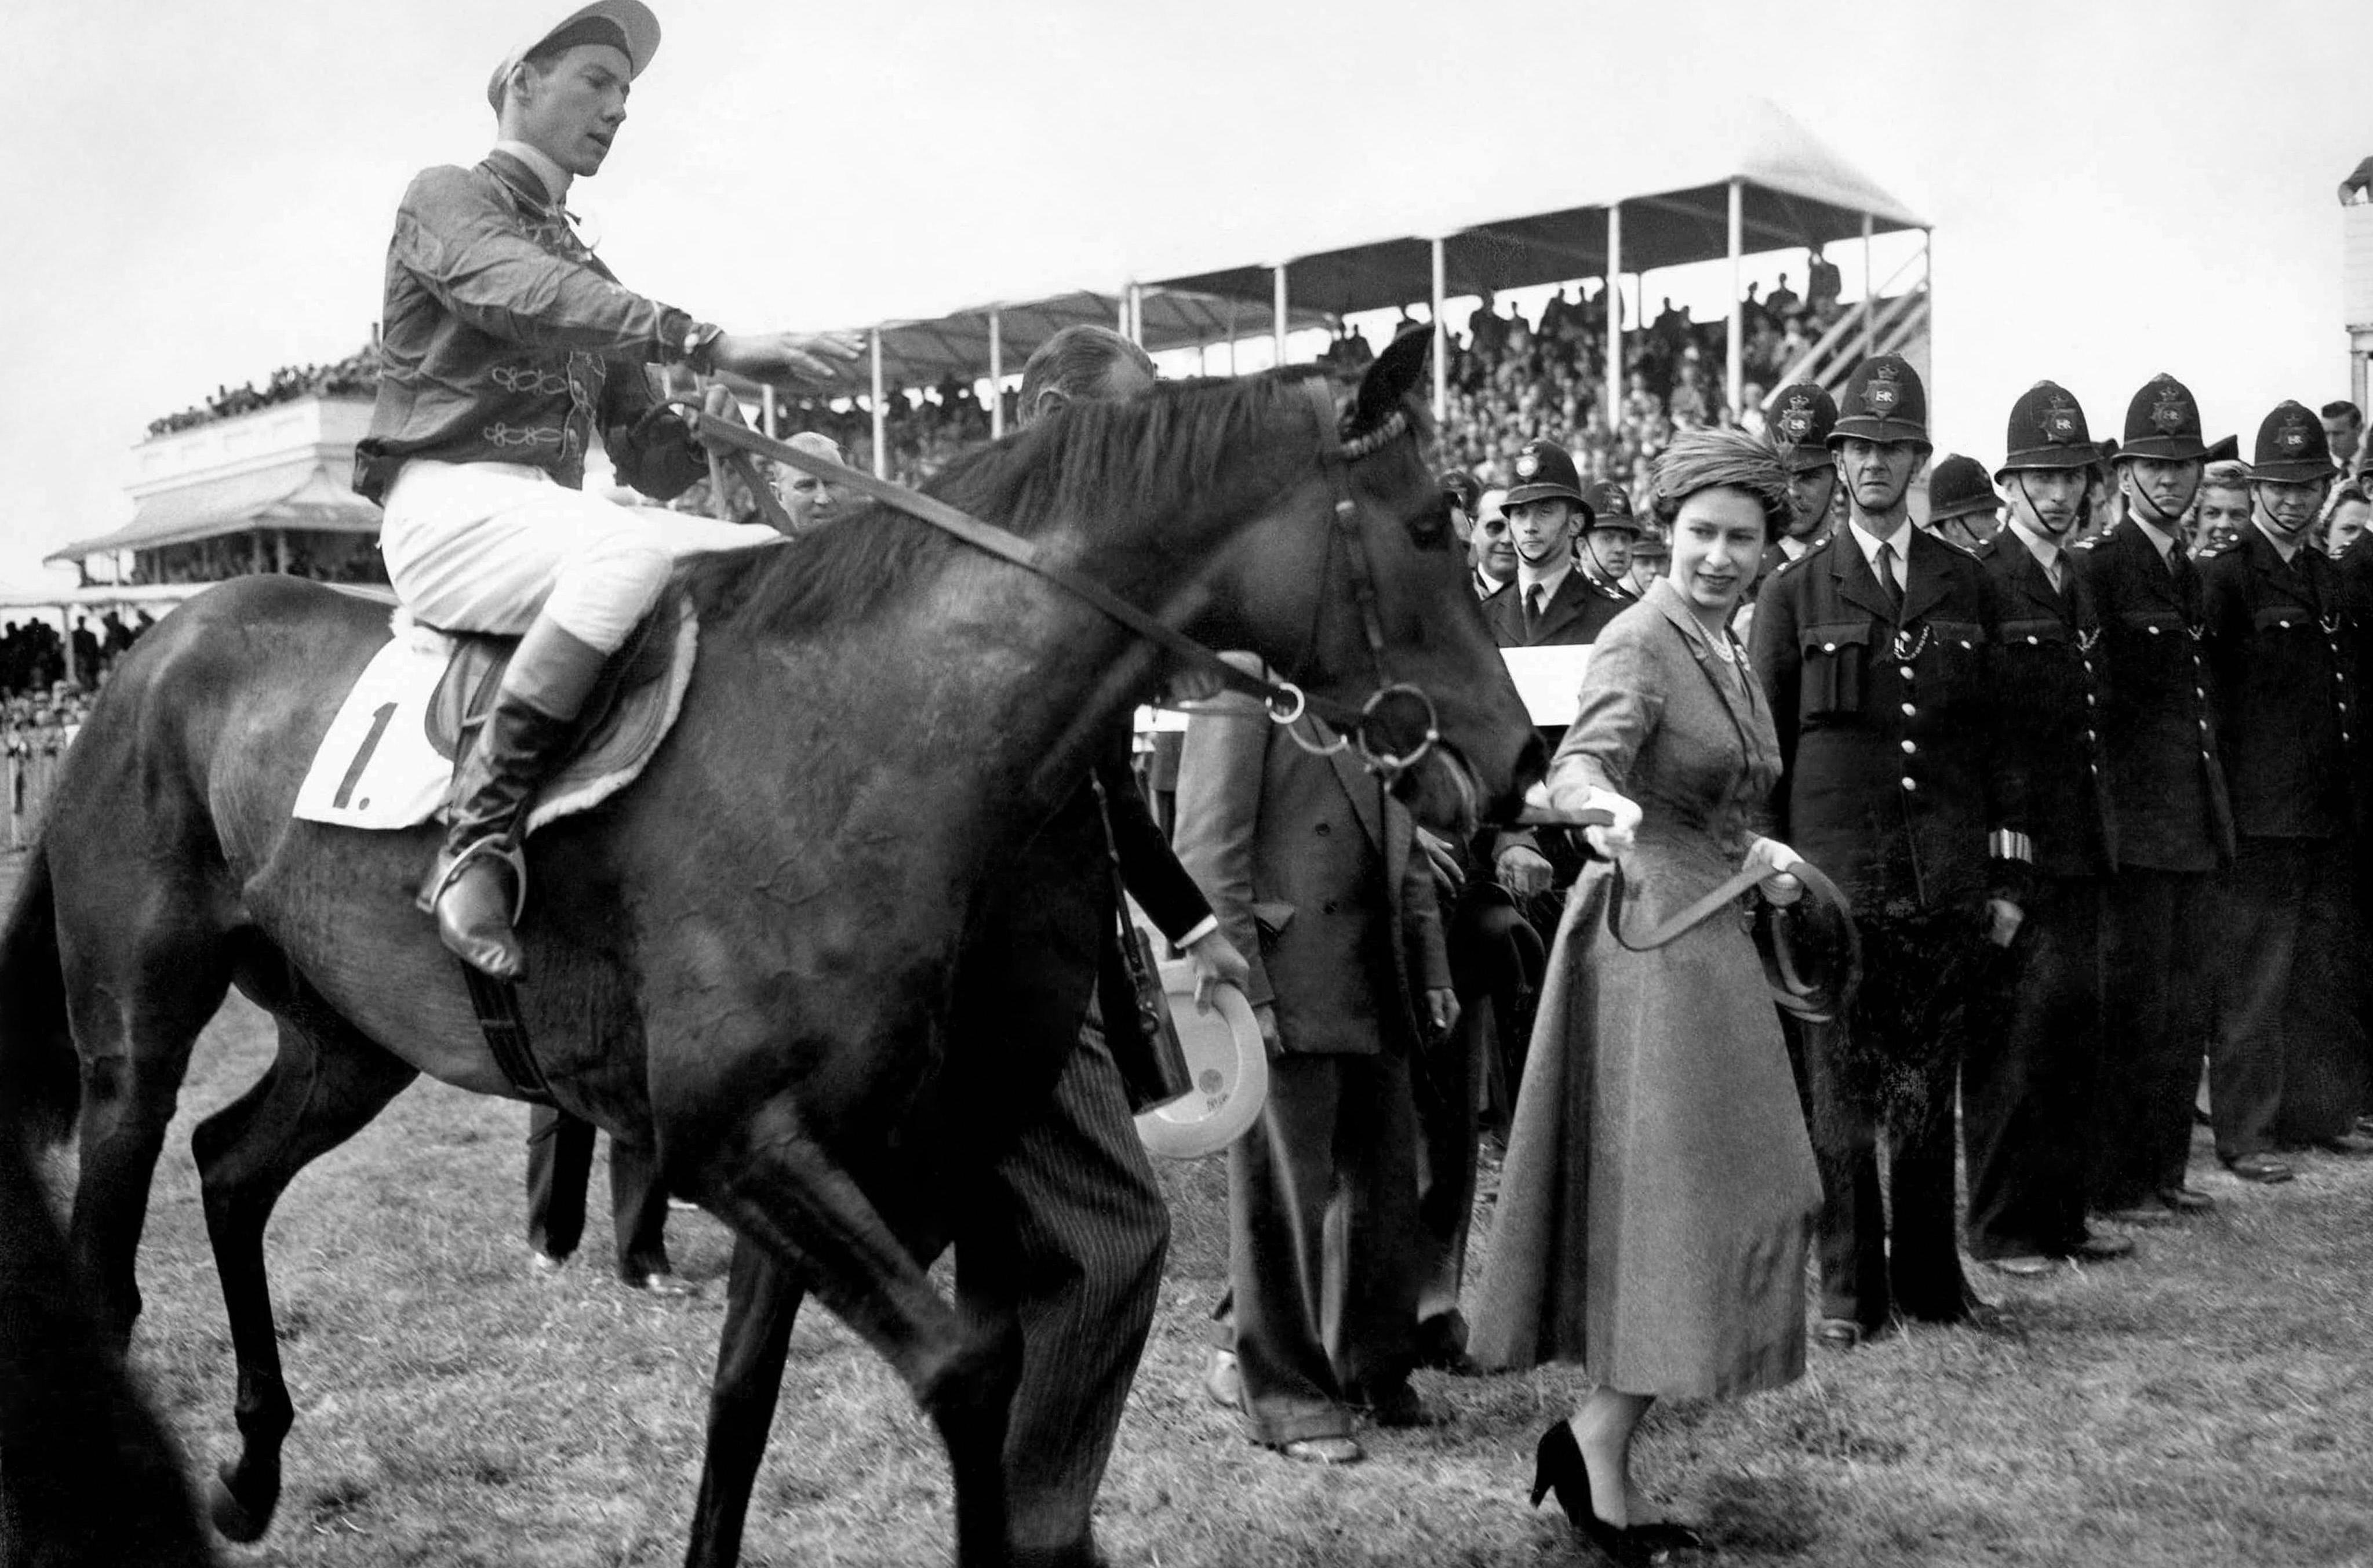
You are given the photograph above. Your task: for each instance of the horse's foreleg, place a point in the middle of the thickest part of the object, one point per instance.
(762, 1301)
(326, 1084)
(778, 1188)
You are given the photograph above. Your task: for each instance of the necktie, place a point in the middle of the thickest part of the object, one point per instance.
(2058, 572)
(1533, 608)
(1886, 583)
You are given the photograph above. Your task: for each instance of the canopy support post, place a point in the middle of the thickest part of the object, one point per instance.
(881, 415)
(1869, 294)
(1614, 394)
(1279, 312)
(995, 375)
(1440, 342)
(766, 408)
(1734, 361)
(1232, 335)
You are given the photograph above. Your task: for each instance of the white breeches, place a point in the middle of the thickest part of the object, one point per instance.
(485, 546)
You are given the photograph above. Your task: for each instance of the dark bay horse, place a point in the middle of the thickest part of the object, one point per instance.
(745, 960)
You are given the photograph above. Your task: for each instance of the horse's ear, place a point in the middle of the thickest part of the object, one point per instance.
(1396, 374)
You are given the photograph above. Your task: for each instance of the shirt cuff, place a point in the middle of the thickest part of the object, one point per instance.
(1199, 930)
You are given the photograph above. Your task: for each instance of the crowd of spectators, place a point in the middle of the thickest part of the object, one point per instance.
(354, 376)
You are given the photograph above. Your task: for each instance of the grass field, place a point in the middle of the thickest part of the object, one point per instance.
(2210, 1402)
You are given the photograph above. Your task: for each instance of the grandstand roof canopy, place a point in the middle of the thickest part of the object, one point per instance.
(1521, 222)
(302, 493)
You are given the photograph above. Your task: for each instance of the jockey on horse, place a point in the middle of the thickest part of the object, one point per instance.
(505, 342)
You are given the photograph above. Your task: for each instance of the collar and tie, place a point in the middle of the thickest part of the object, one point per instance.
(1889, 587)
(1533, 600)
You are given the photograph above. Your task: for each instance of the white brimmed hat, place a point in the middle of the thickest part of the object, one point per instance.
(627, 24)
(1229, 1066)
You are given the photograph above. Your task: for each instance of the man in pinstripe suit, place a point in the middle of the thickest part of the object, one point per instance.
(1066, 1231)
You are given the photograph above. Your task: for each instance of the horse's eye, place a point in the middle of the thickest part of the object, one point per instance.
(1431, 530)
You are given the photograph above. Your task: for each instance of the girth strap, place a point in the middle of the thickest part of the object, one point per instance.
(499, 1019)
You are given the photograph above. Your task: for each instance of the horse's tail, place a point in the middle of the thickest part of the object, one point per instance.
(41, 1077)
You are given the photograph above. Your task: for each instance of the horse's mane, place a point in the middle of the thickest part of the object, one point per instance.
(1141, 458)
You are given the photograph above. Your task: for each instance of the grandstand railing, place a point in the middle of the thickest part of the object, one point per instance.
(1886, 323)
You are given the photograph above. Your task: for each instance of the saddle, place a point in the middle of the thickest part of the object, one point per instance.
(388, 757)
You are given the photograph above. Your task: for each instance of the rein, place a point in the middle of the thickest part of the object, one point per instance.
(1284, 701)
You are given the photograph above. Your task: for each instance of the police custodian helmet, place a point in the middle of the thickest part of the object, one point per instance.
(1883, 401)
(2163, 423)
(1610, 507)
(2292, 447)
(1544, 471)
(1959, 488)
(2047, 430)
(1800, 419)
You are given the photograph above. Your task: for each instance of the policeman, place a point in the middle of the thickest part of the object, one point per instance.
(2286, 1060)
(2175, 827)
(1551, 604)
(1877, 650)
(1802, 418)
(1962, 507)
(1609, 540)
(2026, 1089)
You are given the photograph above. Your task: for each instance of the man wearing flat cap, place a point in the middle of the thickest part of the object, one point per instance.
(2027, 1087)
(2175, 825)
(504, 343)
(1877, 649)
(1962, 507)
(2286, 1062)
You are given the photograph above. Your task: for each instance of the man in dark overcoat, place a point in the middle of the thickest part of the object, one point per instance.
(2175, 825)
(2027, 1087)
(2286, 1062)
(1877, 649)
(1314, 873)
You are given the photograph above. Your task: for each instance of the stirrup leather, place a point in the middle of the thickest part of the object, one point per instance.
(499, 846)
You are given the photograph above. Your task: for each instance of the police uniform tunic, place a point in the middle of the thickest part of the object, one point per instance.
(1893, 778)
(2286, 1062)
(2175, 830)
(2027, 1087)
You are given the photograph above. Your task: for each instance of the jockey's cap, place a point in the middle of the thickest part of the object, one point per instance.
(625, 25)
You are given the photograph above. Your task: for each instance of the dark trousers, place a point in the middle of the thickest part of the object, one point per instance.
(560, 1163)
(2026, 1089)
(1446, 1142)
(1322, 1249)
(1065, 1239)
(2158, 941)
(2287, 1062)
(1889, 1073)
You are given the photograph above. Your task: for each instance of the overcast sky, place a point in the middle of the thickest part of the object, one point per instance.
(198, 195)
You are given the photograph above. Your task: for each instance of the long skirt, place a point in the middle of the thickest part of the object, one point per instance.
(1659, 1191)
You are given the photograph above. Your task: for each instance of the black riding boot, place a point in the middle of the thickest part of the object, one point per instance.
(479, 884)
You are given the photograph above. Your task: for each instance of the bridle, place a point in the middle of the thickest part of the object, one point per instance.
(1364, 726)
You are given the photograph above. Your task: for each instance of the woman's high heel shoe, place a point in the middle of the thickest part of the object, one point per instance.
(1559, 1467)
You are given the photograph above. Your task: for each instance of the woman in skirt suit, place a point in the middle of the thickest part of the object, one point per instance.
(1659, 1190)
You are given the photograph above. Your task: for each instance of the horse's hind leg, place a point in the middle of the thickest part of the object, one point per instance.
(326, 1084)
(778, 1187)
(762, 1300)
(142, 981)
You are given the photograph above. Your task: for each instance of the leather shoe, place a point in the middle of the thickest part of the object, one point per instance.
(2261, 1169)
(1322, 1451)
(660, 1282)
(2186, 1199)
(1441, 1346)
(1403, 1409)
(1839, 1333)
(2102, 1246)
(1223, 1384)
(2346, 1144)
(2027, 1266)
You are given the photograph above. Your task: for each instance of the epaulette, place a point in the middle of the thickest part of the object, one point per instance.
(2090, 543)
(1792, 562)
(2211, 551)
(1608, 591)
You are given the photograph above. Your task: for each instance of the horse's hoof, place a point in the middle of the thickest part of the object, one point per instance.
(234, 1520)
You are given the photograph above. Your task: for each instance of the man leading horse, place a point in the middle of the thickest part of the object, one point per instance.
(505, 344)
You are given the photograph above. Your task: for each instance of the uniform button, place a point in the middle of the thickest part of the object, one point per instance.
(2095, 766)
(1910, 782)
(2284, 624)
(1910, 749)
(2031, 643)
(2153, 630)
(1909, 710)
(1965, 642)
(1829, 648)
(1904, 670)
(2092, 735)
(2090, 699)
(2199, 693)
(2203, 726)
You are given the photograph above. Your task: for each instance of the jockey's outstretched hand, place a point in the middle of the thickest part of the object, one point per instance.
(802, 356)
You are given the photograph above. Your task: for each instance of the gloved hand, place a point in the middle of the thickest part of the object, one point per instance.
(1617, 837)
(1774, 858)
